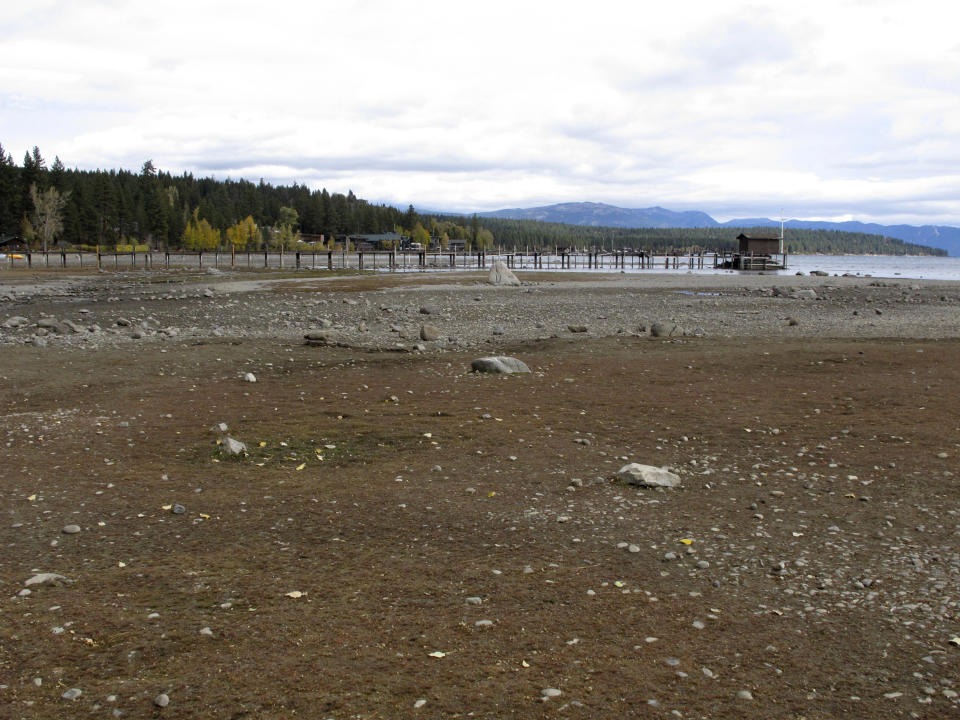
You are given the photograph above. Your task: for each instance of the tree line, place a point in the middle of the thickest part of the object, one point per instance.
(532, 234)
(158, 210)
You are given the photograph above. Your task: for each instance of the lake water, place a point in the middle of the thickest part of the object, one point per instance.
(881, 266)
(878, 266)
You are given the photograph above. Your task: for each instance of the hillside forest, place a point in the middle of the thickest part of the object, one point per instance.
(51, 206)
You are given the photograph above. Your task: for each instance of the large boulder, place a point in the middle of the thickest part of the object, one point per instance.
(500, 274)
(647, 476)
(499, 364)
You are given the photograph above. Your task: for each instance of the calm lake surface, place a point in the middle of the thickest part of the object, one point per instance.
(878, 266)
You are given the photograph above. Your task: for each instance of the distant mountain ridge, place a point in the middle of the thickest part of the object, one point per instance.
(600, 214)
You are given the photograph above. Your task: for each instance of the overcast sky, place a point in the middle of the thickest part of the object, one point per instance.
(841, 110)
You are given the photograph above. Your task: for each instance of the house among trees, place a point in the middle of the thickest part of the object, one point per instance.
(12, 243)
(376, 241)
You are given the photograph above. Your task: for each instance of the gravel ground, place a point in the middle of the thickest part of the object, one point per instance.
(110, 310)
(405, 538)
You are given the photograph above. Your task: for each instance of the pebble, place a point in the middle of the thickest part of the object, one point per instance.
(161, 700)
(551, 693)
(744, 695)
(71, 694)
(178, 509)
(71, 529)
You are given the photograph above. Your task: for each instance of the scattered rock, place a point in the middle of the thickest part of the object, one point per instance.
(577, 328)
(47, 579)
(71, 694)
(249, 377)
(499, 364)
(71, 529)
(320, 337)
(647, 476)
(233, 447)
(161, 700)
(428, 332)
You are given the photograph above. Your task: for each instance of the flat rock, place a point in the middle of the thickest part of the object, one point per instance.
(47, 579)
(428, 332)
(71, 529)
(647, 476)
(321, 337)
(16, 321)
(499, 364)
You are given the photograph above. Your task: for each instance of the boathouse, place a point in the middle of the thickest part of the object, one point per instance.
(751, 245)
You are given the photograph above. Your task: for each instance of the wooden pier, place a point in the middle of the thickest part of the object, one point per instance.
(395, 260)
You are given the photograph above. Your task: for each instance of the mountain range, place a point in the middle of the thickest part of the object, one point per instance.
(599, 214)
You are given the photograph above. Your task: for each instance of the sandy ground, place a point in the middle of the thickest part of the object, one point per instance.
(405, 538)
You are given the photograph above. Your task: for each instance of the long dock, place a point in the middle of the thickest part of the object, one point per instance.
(396, 260)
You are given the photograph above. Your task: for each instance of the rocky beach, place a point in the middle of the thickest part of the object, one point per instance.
(274, 495)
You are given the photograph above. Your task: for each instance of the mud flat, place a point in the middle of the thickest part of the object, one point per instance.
(406, 538)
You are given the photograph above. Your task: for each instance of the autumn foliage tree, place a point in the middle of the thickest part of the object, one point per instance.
(199, 234)
(243, 234)
(47, 213)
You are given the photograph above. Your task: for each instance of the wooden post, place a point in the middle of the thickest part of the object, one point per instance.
(233, 255)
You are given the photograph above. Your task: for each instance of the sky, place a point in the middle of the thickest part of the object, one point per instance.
(818, 110)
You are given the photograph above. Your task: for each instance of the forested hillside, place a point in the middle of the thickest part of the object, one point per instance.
(534, 233)
(48, 205)
(154, 207)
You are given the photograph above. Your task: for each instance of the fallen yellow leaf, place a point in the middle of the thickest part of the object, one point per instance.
(686, 541)
(301, 466)
(32, 498)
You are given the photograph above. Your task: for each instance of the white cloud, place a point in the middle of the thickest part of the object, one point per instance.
(822, 108)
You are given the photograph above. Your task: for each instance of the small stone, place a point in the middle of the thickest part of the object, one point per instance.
(207, 632)
(474, 600)
(178, 509)
(72, 694)
(71, 529)
(233, 447)
(500, 364)
(161, 700)
(429, 333)
(419, 704)
(483, 623)
(551, 693)
(249, 377)
(47, 579)
(744, 695)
